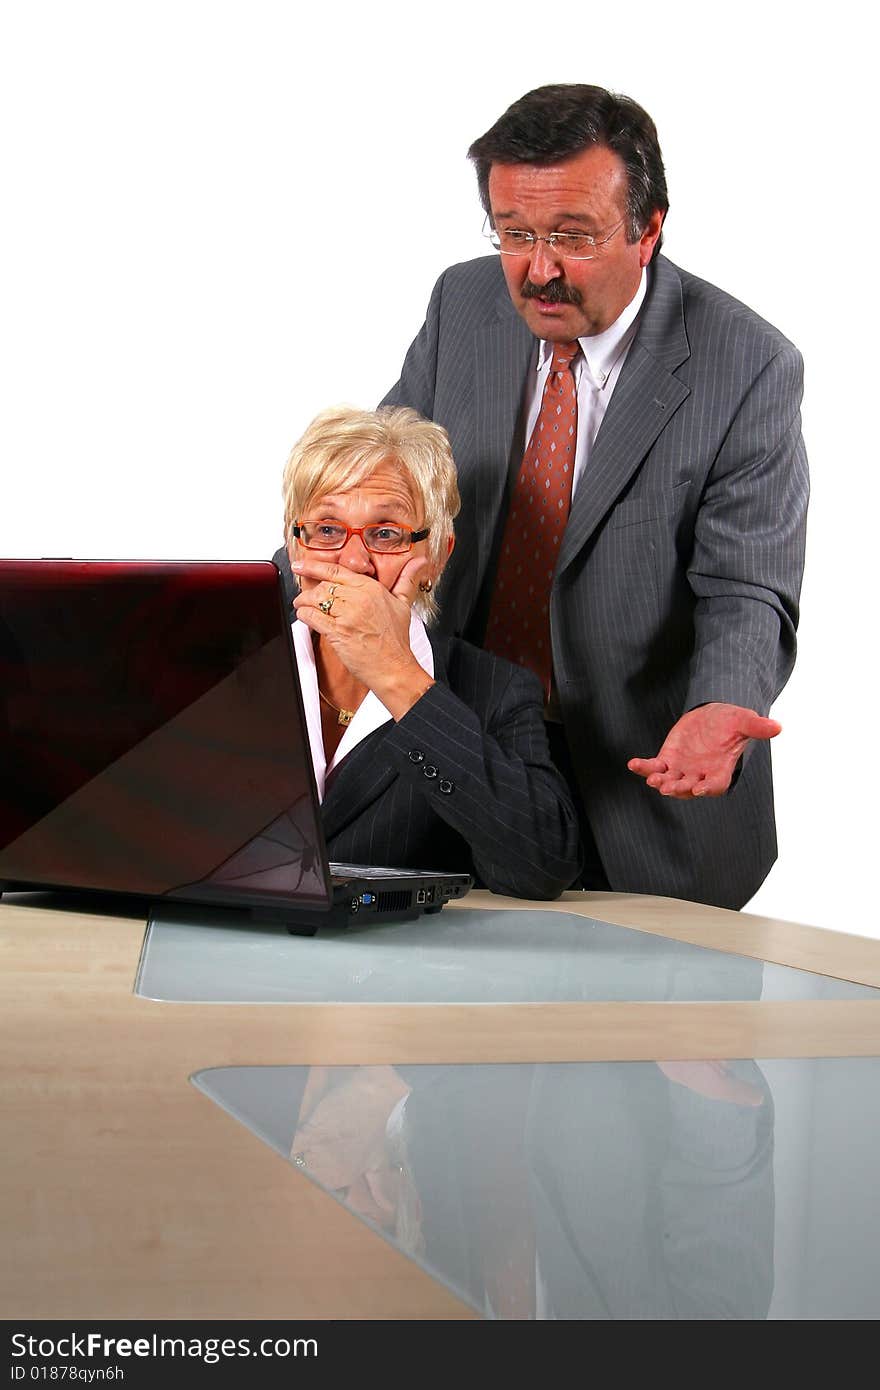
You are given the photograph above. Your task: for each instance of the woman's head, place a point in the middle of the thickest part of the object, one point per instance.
(341, 457)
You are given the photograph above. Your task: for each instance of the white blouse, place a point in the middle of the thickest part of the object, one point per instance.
(371, 713)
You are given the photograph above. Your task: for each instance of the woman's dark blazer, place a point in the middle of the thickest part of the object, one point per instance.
(464, 781)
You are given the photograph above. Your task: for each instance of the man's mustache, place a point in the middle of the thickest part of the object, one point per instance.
(554, 292)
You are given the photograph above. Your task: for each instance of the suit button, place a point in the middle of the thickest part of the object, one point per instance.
(416, 755)
(429, 770)
(446, 786)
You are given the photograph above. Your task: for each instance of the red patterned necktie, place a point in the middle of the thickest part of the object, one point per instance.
(518, 626)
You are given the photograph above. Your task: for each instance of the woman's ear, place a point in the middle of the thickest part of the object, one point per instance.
(450, 546)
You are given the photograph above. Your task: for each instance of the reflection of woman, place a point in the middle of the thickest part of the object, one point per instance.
(427, 754)
(348, 1138)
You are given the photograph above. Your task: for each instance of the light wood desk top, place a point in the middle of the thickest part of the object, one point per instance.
(128, 1194)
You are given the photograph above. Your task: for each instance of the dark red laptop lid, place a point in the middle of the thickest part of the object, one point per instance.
(152, 735)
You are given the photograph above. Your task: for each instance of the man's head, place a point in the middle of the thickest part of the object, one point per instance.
(573, 159)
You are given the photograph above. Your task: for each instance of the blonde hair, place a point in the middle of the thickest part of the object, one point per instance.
(343, 445)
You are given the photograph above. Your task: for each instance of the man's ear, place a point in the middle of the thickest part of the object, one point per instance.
(649, 237)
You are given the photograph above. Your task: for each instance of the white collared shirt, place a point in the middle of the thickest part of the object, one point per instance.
(370, 714)
(596, 369)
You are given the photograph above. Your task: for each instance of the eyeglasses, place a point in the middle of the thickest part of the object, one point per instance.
(384, 539)
(571, 246)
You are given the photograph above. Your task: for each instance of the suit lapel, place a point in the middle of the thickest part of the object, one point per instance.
(644, 401)
(360, 779)
(502, 351)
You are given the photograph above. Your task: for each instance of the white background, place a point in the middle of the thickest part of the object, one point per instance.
(218, 218)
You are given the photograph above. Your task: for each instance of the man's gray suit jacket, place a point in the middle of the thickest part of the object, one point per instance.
(679, 574)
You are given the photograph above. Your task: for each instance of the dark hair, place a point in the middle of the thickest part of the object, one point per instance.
(553, 122)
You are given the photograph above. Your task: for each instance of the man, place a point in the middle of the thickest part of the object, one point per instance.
(664, 577)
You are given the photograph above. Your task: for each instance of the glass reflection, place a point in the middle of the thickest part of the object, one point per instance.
(653, 1195)
(463, 955)
(640, 1190)
(579, 1190)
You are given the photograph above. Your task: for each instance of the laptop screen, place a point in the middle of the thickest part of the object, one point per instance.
(152, 733)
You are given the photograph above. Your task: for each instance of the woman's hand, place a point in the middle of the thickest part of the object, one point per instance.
(367, 626)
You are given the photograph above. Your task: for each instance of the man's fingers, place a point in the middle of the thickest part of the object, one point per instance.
(695, 783)
(675, 784)
(713, 784)
(682, 783)
(644, 767)
(678, 782)
(659, 780)
(757, 726)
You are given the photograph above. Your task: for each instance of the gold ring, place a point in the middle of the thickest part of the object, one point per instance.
(331, 591)
(325, 605)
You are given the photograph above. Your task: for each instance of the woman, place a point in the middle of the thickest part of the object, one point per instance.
(427, 754)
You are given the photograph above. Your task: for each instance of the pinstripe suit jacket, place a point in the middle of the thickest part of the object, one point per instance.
(679, 574)
(464, 781)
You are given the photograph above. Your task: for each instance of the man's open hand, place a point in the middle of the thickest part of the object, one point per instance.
(701, 751)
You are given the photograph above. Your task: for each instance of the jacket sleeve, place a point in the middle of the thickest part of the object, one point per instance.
(748, 555)
(494, 783)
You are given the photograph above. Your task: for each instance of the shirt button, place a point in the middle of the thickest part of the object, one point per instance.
(429, 770)
(446, 786)
(416, 755)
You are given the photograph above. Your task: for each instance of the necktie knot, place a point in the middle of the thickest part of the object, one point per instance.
(563, 356)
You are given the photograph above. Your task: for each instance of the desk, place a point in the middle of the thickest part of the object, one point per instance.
(130, 1194)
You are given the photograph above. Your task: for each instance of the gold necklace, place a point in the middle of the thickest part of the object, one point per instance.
(343, 716)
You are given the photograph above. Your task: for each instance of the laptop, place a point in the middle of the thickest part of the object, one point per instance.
(153, 742)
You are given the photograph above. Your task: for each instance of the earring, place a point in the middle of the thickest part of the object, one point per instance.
(425, 586)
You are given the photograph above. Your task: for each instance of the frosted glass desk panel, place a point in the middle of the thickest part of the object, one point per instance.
(599, 1190)
(459, 956)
